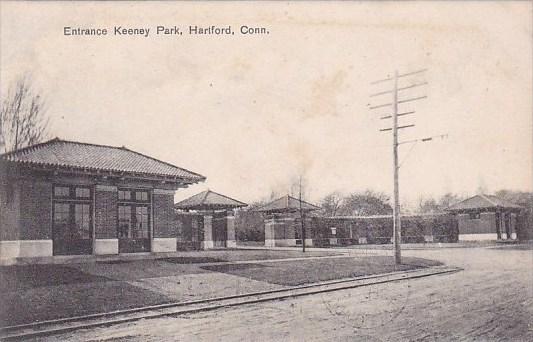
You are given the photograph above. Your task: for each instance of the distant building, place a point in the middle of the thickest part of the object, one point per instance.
(283, 223)
(211, 225)
(70, 198)
(486, 217)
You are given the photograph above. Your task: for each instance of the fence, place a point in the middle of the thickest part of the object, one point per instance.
(379, 229)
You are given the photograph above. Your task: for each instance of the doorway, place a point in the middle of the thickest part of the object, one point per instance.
(133, 221)
(219, 226)
(72, 227)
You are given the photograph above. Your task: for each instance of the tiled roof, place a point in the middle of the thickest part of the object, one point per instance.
(71, 154)
(287, 203)
(483, 202)
(209, 200)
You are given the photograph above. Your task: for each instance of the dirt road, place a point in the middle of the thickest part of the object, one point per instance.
(491, 300)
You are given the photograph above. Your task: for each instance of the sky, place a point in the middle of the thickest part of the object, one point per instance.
(253, 112)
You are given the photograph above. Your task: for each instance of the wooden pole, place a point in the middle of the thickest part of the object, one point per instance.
(302, 216)
(396, 208)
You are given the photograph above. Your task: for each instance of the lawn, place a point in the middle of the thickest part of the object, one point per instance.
(257, 254)
(41, 292)
(292, 273)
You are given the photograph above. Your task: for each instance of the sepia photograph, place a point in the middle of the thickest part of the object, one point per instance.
(266, 171)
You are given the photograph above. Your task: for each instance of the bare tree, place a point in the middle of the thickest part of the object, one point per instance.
(427, 205)
(430, 205)
(365, 204)
(331, 204)
(23, 119)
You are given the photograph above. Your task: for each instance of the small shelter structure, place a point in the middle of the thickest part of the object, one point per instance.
(486, 217)
(282, 221)
(212, 223)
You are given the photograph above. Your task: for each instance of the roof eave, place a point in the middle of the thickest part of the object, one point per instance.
(109, 172)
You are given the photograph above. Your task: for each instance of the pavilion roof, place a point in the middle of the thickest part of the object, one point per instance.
(287, 204)
(209, 200)
(483, 202)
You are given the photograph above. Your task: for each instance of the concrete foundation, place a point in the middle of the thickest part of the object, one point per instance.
(206, 244)
(285, 242)
(270, 243)
(160, 245)
(105, 246)
(478, 237)
(25, 249)
(428, 238)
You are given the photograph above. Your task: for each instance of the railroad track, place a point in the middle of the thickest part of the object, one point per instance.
(52, 327)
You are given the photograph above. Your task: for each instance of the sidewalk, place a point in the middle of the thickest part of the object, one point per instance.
(386, 249)
(224, 254)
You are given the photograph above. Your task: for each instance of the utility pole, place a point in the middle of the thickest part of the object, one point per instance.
(397, 227)
(301, 214)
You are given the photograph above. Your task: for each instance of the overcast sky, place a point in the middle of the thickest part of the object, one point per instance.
(252, 112)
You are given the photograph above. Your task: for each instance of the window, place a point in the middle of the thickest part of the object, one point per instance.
(333, 231)
(124, 195)
(141, 196)
(82, 216)
(61, 191)
(133, 214)
(133, 222)
(475, 216)
(62, 220)
(61, 213)
(141, 223)
(72, 192)
(83, 193)
(124, 221)
(72, 221)
(133, 195)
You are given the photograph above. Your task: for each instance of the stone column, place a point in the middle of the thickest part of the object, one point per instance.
(231, 241)
(208, 233)
(513, 225)
(362, 233)
(309, 232)
(428, 230)
(270, 232)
